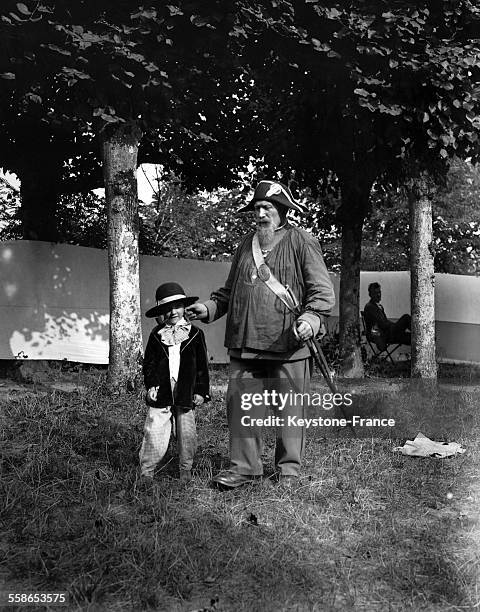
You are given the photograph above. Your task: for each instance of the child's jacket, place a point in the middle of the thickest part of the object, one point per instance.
(192, 375)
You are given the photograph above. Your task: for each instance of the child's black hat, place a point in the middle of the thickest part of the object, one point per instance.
(166, 293)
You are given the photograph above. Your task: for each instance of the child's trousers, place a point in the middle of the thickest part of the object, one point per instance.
(156, 435)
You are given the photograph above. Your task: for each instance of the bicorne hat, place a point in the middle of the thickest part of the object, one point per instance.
(274, 192)
(165, 294)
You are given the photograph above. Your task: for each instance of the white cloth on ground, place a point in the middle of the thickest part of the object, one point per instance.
(424, 447)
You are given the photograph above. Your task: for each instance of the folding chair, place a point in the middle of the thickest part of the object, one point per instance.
(378, 353)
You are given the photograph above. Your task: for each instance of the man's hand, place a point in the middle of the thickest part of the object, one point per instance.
(197, 400)
(303, 331)
(197, 311)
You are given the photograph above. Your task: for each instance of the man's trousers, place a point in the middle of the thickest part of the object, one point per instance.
(397, 334)
(246, 444)
(156, 436)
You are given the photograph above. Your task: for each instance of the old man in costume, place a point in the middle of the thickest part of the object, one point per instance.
(265, 338)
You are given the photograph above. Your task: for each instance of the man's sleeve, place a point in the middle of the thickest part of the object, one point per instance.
(217, 305)
(373, 316)
(367, 317)
(319, 297)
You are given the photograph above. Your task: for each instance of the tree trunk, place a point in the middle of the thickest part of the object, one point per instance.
(355, 201)
(422, 279)
(39, 192)
(120, 149)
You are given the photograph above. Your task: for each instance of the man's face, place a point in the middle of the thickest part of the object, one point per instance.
(376, 294)
(266, 215)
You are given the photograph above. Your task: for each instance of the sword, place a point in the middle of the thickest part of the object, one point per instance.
(319, 358)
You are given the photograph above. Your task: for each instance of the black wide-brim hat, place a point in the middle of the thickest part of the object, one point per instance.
(274, 192)
(167, 293)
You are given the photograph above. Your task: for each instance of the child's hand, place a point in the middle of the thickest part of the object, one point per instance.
(152, 394)
(197, 400)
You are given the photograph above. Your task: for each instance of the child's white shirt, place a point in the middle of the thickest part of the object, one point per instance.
(174, 349)
(174, 364)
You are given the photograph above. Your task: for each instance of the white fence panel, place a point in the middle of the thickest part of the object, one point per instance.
(54, 302)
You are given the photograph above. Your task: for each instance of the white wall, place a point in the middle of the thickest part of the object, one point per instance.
(54, 302)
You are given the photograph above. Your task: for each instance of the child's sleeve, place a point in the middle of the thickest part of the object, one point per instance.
(149, 361)
(202, 382)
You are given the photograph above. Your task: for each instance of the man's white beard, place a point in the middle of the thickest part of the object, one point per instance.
(265, 235)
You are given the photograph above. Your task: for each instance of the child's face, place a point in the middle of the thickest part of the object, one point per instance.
(176, 310)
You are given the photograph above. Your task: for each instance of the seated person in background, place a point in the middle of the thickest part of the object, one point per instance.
(379, 329)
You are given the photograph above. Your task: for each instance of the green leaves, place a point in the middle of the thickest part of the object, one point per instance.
(22, 8)
(35, 98)
(361, 92)
(373, 71)
(320, 46)
(146, 14)
(107, 114)
(333, 13)
(73, 75)
(57, 49)
(199, 21)
(174, 10)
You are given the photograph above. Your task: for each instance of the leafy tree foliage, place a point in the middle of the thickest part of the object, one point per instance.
(9, 204)
(199, 225)
(456, 228)
(354, 84)
(71, 73)
(92, 63)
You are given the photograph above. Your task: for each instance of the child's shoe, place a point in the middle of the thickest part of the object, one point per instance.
(145, 481)
(185, 476)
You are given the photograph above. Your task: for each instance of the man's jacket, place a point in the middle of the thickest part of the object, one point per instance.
(256, 318)
(192, 375)
(374, 315)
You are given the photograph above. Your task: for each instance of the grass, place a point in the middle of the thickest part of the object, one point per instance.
(400, 368)
(366, 529)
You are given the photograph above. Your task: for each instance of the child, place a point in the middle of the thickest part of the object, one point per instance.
(175, 371)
